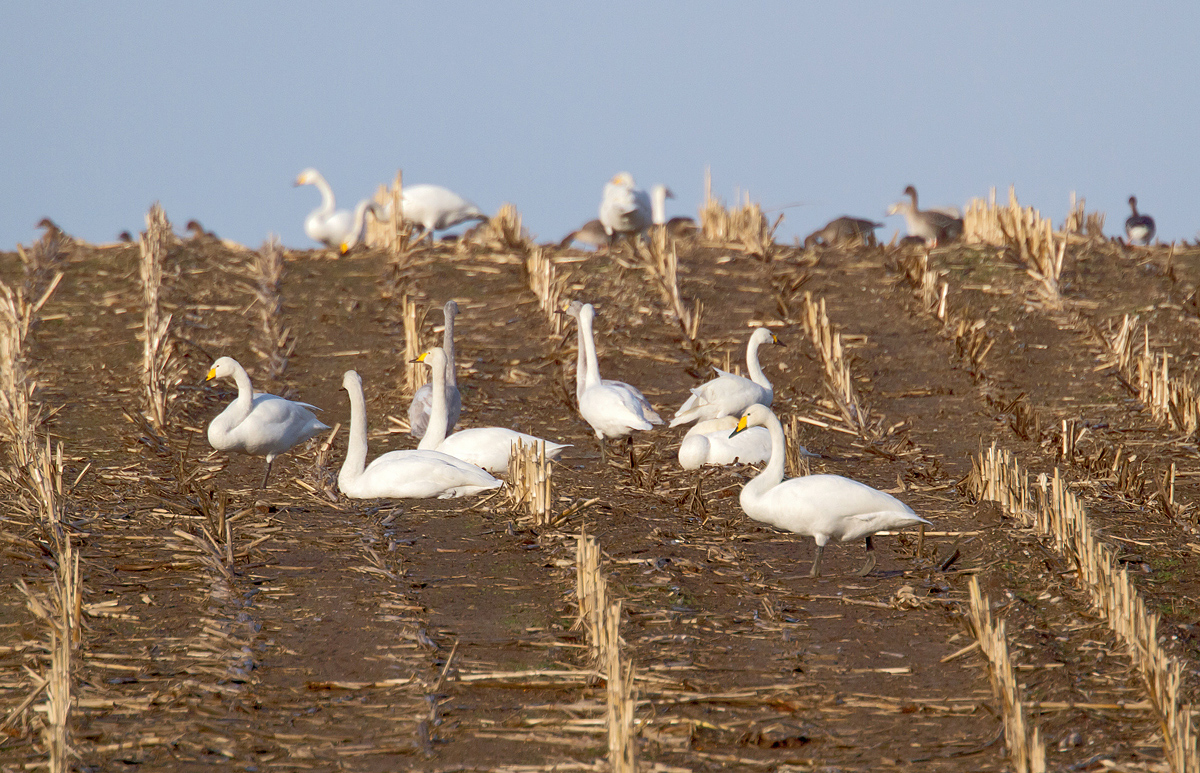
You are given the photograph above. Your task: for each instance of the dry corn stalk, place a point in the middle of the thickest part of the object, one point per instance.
(529, 480)
(661, 261)
(743, 228)
(1174, 401)
(415, 373)
(839, 382)
(1026, 749)
(18, 416)
(277, 342)
(591, 591)
(505, 232)
(619, 676)
(542, 274)
(161, 372)
(795, 460)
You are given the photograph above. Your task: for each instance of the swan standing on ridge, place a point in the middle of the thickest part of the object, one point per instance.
(581, 366)
(931, 225)
(611, 408)
(422, 402)
(435, 208)
(358, 230)
(401, 474)
(676, 226)
(729, 394)
(820, 506)
(486, 447)
(710, 443)
(328, 224)
(624, 210)
(1138, 227)
(258, 424)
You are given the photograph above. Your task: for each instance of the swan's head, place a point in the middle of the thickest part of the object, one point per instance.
(573, 309)
(450, 310)
(224, 367)
(587, 313)
(351, 381)
(435, 358)
(764, 336)
(755, 416)
(308, 177)
(623, 179)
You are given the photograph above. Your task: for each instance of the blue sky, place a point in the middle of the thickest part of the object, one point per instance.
(821, 110)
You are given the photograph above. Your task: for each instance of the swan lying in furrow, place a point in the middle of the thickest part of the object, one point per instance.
(932, 226)
(401, 474)
(486, 447)
(624, 210)
(709, 443)
(422, 402)
(1138, 227)
(612, 408)
(327, 224)
(729, 394)
(820, 506)
(259, 424)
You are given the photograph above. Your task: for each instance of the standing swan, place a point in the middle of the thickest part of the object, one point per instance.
(610, 408)
(435, 208)
(258, 424)
(581, 366)
(624, 210)
(820, 506)
(328, 224)
(486, 447)
(676, 226)
(1138, 227)
(359, 228)
(401, 474)
(729, 394)
(422, 402)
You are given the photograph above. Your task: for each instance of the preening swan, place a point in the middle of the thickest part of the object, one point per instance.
(435, 208)
(932, 226)
(328, 224)
(728, 394)
(624, 210)
(843, 230)
(820, 506)
(1138, 227)
(401, 474)
(486, 447)
(258, 424)
(612, 409)
(709, 443)
(422, 402)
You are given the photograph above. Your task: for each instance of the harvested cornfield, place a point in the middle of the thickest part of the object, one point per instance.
(1049, 438)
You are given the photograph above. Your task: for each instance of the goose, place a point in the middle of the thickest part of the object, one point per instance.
(422, 402)
(709, 443)
(930, 225)
(258, 424)
(435, 208)
(581, 368)
(358, 229)
(1138, 227)
(327, 224)
(401, 474)
(820, 506)
(592, 233)
(729, 394)
(612, 409)
(486, 447)
(624, 210)
(676, 226)
(842, 230)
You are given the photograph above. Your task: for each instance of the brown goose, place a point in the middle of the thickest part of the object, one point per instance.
(843, 230)
(932, 226)
(1139, 228)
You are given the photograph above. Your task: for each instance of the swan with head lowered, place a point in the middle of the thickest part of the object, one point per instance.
(729, 394)
(486, 447)
(258, 424)
(624, 210)
(1138, 227)
(435, 208)
(710, 444)
(327, 224)
(819, 506)
(401, 474)
(931, 225)
(422, 402)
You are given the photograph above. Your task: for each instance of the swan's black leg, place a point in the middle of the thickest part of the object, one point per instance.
(816, 567)
(266, 474)
(870, 564)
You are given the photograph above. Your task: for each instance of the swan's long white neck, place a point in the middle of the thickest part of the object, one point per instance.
(592, 376)
(580, 359)
(756, 371)
(360, 222)
(245, 398)
(356, 448)
(439, 413)
(328, 204)
(658, 204)
(448, 345)
(771, 475)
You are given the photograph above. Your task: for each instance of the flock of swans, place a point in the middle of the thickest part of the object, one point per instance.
(734, 424)
(625, 211)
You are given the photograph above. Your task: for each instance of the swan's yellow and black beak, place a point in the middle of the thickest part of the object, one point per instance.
(742, 424)
(775, 340)
(301, 180)
(344, 248)
(421, 358)
(212, 373)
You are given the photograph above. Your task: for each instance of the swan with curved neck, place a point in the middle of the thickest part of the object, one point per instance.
(610, 408)
(729, 394)
(486, 447)
(1138, 227)
(358, 229)
(258, 424)
(709, 443)
(819, 506)
(932, 226)
(327, 224)
(401, 474)
(624, 210)
(435, 208)
(422, 402)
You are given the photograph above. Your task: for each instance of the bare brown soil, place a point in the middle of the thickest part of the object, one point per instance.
(438, 635)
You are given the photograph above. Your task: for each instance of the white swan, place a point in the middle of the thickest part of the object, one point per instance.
(676, 226)
(709, 443)
(435, 208)
(729, 394)
(624, 210)
(401, 474)
(486, 447)
(358, 229)
(929, 224)
(611, 409)
(258, 424)
(820, 506)
(328, 224)
(422, 402)
(1138, 227)
(581, 365)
